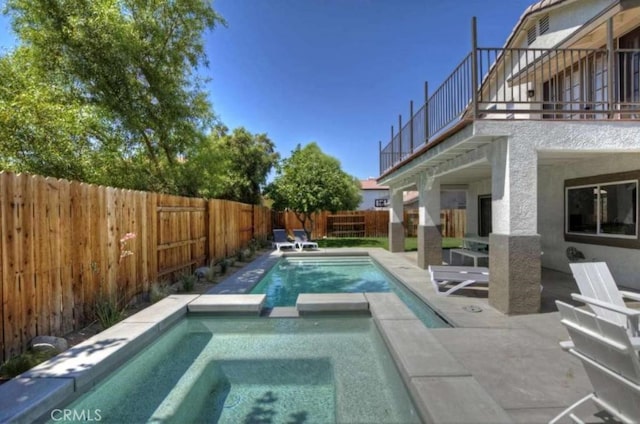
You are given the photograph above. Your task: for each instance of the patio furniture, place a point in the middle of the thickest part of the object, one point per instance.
(301, 240)
(280, 240)
(599, 290)
(473, 247)
(610, 360)
(458, 276)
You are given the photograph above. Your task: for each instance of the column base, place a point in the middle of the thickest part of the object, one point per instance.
(515, 274)
(429, 246)
(396, 237)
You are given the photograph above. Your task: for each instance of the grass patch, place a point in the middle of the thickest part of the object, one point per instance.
(410, 243)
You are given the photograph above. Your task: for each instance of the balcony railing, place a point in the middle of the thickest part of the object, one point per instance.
(560, 84)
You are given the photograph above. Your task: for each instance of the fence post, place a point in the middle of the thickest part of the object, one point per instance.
(411, 126)
(474, 67)
(426, 112)
(611, 65)
(400, 137)
(392, 149)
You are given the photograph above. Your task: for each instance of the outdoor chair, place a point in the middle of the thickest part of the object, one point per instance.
(599, 290)
(280, 240)
(301, 240)
(458, 277)
(611, 362)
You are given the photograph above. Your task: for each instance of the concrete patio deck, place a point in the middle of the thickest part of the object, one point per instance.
(516, 359)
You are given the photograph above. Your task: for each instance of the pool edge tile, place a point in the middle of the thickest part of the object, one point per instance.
(87, 362)
(164, 312)
(24, 400)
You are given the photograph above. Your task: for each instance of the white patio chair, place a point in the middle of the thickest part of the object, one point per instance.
(457, 276)
(301, 240)
(280, 240)
(611, 362)
(599, 290)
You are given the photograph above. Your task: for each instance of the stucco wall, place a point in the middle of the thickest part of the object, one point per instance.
(623, 263)
(618, 146)
(369, 197)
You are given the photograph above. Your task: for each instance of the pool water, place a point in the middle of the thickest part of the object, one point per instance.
(294, 275)
(257, 370)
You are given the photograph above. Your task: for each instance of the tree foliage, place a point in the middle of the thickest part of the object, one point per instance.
(106, 86)
(310, 181)
(251, 156)
(231, 166)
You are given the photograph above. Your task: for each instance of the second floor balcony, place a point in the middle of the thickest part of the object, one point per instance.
(522, 83)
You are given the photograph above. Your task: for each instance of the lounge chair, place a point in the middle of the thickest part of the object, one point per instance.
(280, 240)
(458, 276)
(599, 290)
(301, 240)
(610, 360)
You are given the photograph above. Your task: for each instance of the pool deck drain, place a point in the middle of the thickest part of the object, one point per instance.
(490, 368)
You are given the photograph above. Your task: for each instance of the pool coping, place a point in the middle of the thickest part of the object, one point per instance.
(429, 372)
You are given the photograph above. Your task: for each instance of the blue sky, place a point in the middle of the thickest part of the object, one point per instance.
(337, 72)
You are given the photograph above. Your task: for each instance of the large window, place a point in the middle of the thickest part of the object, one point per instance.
(604, 209)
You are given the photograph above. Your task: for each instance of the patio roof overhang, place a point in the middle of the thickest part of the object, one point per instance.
(457, 159)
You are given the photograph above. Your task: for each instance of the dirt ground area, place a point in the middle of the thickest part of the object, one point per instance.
(202, 286)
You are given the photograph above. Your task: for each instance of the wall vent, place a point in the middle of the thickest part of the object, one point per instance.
(543, 24)
(531, 35)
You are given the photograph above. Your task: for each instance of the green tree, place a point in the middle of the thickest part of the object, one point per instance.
(310, 181)
(250, 158)
(44, 128)
(134, 61)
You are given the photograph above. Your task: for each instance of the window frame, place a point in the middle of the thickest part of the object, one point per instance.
(599, 182)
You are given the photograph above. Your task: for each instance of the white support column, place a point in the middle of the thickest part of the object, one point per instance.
(396, 216)
(514, 255)
(429, 233)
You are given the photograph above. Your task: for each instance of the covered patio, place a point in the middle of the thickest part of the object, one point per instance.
(515, 173)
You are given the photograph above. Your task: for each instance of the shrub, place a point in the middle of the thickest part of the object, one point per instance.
(24, 362)
(240, 255)
(224, 266)
(159, 291)
(187, 281)
(109, 309)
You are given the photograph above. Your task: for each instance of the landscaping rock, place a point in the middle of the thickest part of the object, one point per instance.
(48, 342)
(202, 272)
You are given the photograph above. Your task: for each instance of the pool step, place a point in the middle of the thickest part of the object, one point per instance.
(229, 303)
(332, 302)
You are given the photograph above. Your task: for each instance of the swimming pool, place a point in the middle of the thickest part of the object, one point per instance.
(339, 274)
(255, 370)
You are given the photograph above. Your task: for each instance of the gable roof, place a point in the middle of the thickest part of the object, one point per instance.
(372, 184)
(533, 9)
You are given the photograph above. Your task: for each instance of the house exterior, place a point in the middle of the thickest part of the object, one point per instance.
(374, 196)
(544, 133)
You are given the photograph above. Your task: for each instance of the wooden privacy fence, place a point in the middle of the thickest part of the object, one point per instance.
(370, 223)
(60, 248)
(452, 221)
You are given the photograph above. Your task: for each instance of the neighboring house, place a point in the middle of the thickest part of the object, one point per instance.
(374, 196)
(548, 146)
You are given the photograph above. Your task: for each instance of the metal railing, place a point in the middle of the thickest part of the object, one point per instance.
(561, 84)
